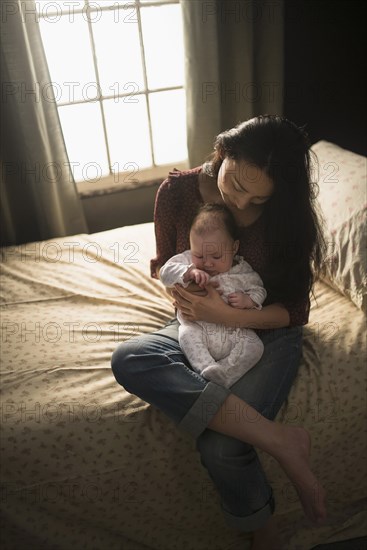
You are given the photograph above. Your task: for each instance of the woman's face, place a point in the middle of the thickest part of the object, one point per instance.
(243, 185)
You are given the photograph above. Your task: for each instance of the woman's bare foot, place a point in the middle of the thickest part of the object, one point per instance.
(267, 538)
(289, 445)
(294, 458)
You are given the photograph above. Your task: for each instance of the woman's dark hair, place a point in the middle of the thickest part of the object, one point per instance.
(212, 216)
(293, 231)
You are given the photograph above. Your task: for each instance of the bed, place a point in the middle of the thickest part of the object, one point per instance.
(87, 465)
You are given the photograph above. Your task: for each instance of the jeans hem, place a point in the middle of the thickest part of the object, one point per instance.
(253, 521)
(204, 409)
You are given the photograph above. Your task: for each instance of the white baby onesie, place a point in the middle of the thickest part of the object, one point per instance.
(220, 354)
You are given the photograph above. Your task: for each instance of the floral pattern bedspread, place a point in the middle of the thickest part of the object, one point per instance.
(86, 465)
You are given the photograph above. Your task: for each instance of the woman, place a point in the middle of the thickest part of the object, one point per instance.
(261, 170)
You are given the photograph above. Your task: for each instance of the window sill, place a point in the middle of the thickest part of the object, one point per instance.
(126, 181)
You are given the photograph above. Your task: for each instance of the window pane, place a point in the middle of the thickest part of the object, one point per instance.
(163, 45)
(128, 133)
(83, 134)
(168, 116)
(118, 52)
(69, 58)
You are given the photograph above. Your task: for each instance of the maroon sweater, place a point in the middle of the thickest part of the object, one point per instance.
(177, 201)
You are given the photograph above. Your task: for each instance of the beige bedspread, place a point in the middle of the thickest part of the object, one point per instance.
(86, 465)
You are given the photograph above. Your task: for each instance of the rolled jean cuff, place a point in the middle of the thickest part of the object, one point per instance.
(206, 406)
(253, 521)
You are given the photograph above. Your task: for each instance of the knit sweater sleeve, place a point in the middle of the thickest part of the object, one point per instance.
(165, 226)
(176, 204)
(298, 312)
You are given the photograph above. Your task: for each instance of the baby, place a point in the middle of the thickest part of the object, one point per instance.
(222, 355)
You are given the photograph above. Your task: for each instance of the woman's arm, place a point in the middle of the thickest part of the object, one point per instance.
(212, 309)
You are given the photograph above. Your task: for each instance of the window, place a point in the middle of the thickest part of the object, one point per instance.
(118, 77)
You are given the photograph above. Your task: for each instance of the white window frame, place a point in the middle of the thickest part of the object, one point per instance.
(132, 176)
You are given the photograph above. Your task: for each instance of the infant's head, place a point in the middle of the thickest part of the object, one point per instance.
(213, 239)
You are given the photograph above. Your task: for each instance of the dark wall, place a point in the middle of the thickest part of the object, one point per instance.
(325, 58)
(121, 208)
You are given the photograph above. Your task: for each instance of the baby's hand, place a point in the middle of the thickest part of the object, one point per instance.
(241, 300)
(200, 277)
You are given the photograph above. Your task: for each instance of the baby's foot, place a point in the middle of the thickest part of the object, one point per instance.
(215, 373)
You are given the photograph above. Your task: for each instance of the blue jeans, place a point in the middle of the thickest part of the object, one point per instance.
(153, 367)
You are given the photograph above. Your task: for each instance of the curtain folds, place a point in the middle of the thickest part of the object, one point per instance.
(233, 65)
(38, 193)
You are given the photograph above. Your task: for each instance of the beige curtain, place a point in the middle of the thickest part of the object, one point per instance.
(38, 194)
(234, 66)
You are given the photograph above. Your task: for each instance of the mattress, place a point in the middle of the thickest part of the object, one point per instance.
(85, 464)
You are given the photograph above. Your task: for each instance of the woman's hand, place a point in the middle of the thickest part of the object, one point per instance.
(194, 306)
(194, 288)
(213, 309)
